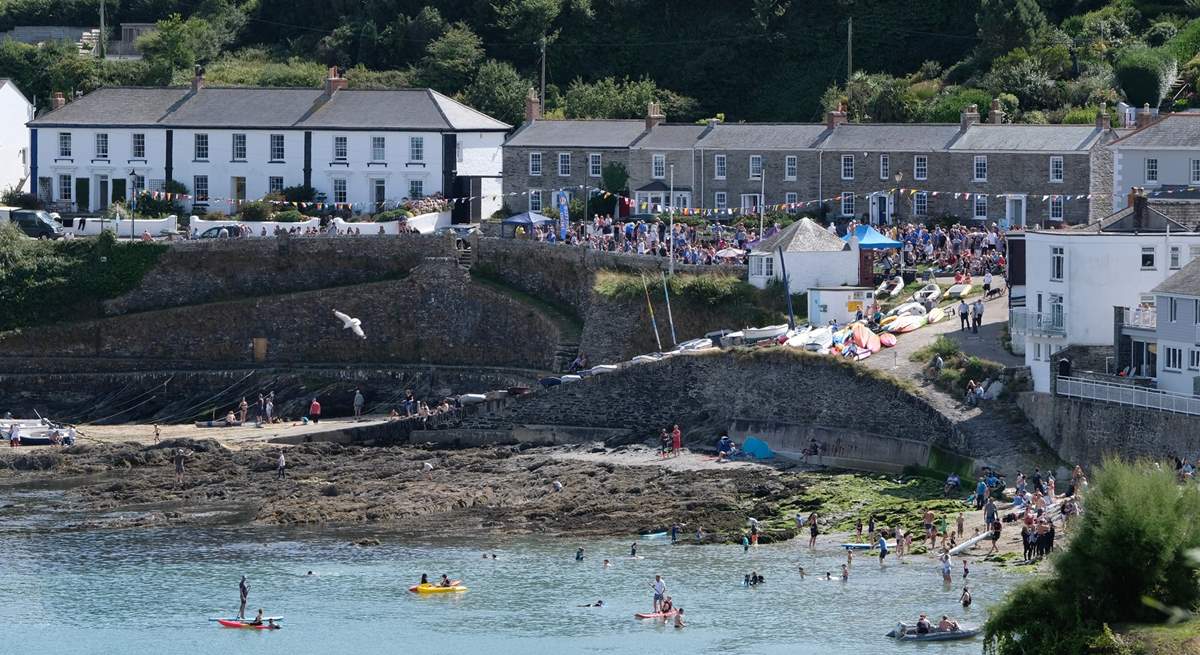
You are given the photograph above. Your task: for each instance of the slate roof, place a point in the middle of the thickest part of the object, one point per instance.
(916, 137)
(670, 137)
(802, 236)
(1028, 138)
(618, 133)
(1122, 221)
(1181, 130)
(279, 108)
(1184, 283)
(762, 136)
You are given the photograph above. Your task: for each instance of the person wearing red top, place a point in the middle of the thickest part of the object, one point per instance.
(314, 411)
(676, 440)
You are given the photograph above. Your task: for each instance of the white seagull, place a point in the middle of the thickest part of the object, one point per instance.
(353, 324)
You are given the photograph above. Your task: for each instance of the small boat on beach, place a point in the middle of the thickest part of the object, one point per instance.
(890, 287)
(760, 334)
(904, 632)
(936, 314)
(959, 290)
(929, 292)
(818, 339)
(567, 379)
(601, 369)
(906, 324)
(220, 423)
(908, 309)
(471, 398)
(731, 339)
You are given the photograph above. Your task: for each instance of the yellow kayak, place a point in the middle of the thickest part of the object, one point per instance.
(436, 589)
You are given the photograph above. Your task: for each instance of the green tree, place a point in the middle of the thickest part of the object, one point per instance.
(499, 91)
(527, 21)
(614, 178)
(179, 44)
(1132, 542)
(1145, 74)
(612, 98)
(1005, 25)
(451, 59)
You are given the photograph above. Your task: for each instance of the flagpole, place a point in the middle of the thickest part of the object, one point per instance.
(670, 318)
(653, 323)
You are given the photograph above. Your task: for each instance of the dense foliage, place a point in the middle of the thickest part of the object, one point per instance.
(1132, 543)
(766, 60)
(47, 281)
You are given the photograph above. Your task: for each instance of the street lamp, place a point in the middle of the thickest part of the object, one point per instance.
(132, 216)
(671, 222)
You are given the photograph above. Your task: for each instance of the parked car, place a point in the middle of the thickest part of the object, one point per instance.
(234, 231)
(34, 223)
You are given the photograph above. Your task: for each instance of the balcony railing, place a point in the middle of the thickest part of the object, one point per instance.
(1037, 324)
(1123, 394)
(1145, 318)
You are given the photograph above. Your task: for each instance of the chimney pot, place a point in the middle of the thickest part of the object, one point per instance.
(533, 106)
(835, 117)
(996, 115)
(970, 116)
(198, 79)
(57, 101)
(654, 115)
(1103, 121)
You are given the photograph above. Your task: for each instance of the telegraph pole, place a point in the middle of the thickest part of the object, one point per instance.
(100, 45)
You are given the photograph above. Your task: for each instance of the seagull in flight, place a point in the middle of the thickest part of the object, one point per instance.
(353, 324)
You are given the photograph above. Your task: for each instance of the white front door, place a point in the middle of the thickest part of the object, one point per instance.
(1014, 211)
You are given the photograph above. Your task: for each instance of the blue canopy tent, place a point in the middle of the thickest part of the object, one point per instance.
(527, 220)
(870, 239)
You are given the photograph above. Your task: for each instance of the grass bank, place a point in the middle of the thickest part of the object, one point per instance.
(45, 282)
(959, 368)
(745, 304)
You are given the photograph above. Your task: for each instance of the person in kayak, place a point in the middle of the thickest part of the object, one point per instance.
(243, 594)
(424, 579)
(579, 554)
(445, 581)
(258, 618)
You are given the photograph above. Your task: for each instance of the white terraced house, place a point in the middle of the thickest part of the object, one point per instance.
(370, 149)
(15, 111)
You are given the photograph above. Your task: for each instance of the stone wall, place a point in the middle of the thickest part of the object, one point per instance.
(193, 272)
(1085, 432)
(705, 392)
(437, 315)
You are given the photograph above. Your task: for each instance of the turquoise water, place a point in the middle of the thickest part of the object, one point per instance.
(150, 591)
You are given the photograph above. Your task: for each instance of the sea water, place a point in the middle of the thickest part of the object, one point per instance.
(144, 591)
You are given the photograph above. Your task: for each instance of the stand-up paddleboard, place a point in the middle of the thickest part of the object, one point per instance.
(656, 615)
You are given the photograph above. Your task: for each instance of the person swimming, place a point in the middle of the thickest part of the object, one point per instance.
(965, 598)
(598, 603)
(606, 563)
(746, 581)
(801, 572)
(679, 619)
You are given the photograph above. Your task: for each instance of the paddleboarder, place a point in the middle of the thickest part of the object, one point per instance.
(660, 592)
(244, 594)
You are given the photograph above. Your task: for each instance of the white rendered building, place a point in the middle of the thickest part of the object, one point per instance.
(363, 149)
(15, 112)
(812, 257)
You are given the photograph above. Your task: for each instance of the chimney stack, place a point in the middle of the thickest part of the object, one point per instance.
(198, 79)
(970, 116)
(654, 115)
(996, 115)
(1139, 209)
(1143, 116)
(835, 117)
(713, 122)
(57, 101)
(1103, 121)
(533, 106)
(335, 82)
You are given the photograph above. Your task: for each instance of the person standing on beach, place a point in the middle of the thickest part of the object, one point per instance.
(244, 594)
(428, 469)
(281, 467)
(359, 401)
(927, 523)
(314, 411)
(676, 440)
(180, 455)
(243, 409)
(883, 551)
(260, 409)
(269, 411)
(812, 530)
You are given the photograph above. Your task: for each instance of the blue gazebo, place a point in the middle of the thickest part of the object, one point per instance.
(527, 220)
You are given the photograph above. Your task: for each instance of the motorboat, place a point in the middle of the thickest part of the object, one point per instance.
(568, 379)
(929, 293)
(471, 398)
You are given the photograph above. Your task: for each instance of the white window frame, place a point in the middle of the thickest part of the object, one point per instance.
(416, 148)
(1057, 169)
(921, 204)
(790, 165)
(535, 164)
(1151, 170)
(66, 192)
(137, 145)
(921, 167)
(564, 158)
(756, 164)
(535, 200)
(416, 188)
(979, 169)
(720, 167)
(847, 167)
(658, 166)
(1058, 263)
(1172, 359)
(1037, 351)
(1057, 210)
(1195, 170)
(341, 148)
(341, 190)
(64, 144)
(272, 187)
(791, 198)
(200, 146)
(720, 200)
(755, 204)
(237, 147)
(1153, 252)
(137, 185)
(980, 201)
(101, 145)
(379, 148)
(885, 166)
(278, 148)
(196, 188)
(847, 204)
(595, 164)
(1175, 258)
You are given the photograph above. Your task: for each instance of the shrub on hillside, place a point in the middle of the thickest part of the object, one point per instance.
(1145, 74)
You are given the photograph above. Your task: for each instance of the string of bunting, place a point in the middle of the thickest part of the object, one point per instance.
(659, 207)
